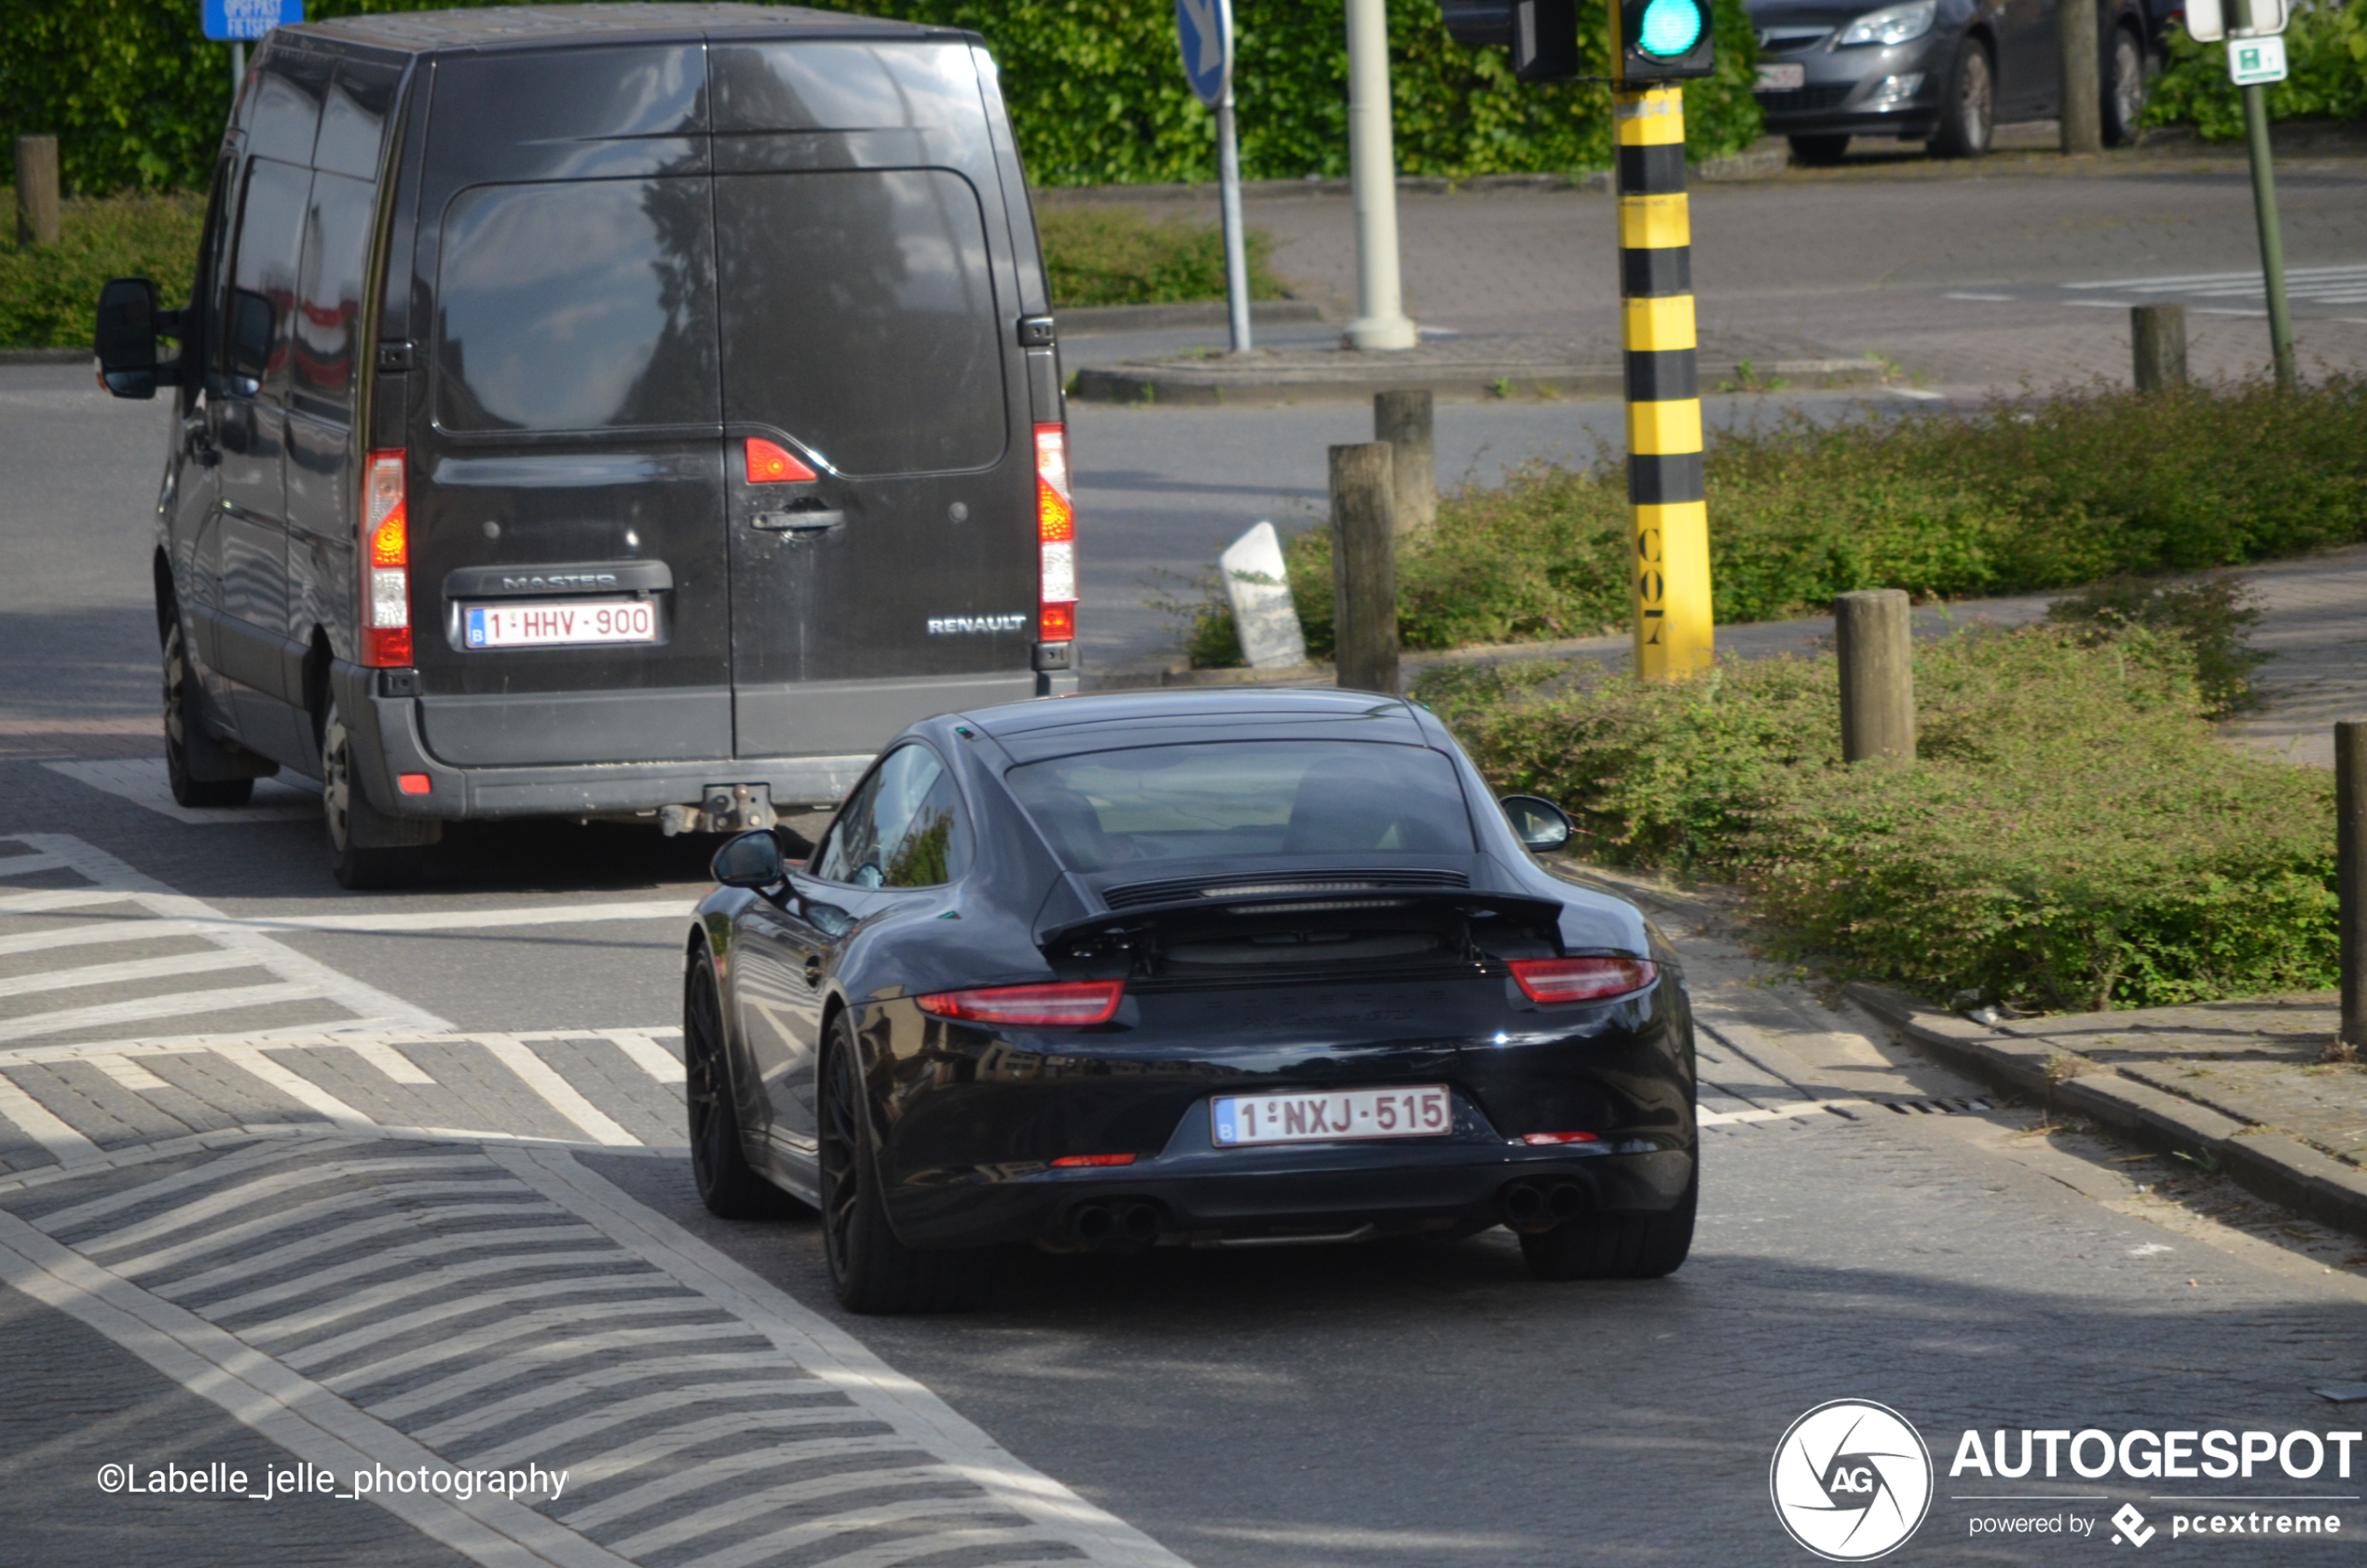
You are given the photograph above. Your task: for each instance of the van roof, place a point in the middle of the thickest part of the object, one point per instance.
(542, 26)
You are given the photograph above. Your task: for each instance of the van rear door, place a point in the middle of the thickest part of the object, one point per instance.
(568, 479)
(882, 507)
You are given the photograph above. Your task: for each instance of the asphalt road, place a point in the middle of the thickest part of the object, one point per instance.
(296, 1175)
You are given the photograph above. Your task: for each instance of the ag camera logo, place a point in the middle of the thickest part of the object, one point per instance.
(1851, 1480)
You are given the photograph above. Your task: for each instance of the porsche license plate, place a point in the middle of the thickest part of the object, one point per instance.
(551, 625)
(1782, 78)
(1422, 1110)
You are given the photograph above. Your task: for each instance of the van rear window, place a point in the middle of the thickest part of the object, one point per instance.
(859, 316)
(577, 305)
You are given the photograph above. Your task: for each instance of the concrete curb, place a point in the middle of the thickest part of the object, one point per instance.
(1355, 376)
(2270, 1164)
(1097, 320)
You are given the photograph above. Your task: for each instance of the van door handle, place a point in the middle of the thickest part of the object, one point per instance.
(797, 522)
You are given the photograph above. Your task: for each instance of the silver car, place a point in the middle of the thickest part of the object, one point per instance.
(1941, 71)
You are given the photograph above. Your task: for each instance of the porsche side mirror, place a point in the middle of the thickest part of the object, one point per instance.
(1541, 824)
(750, 860)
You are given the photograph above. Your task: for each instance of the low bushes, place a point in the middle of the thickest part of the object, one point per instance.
(2073, 836)
(49, 294)
(2017, 498)
(1115, 255)
(2326, 60)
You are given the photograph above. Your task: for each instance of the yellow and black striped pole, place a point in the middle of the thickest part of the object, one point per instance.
(1663, 395)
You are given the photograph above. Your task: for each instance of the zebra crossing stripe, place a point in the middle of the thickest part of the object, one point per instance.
(38, 1123)
(555, 1091)
(291, 1411)
(297, 1086)
(166, 912)
(704, 1418)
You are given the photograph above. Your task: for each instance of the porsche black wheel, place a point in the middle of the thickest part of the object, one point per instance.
(728, 1185)
(1616, 1246)
(871, 1271)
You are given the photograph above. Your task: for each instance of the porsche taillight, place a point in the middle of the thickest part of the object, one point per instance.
(1582, 979)
(386, 564)
(1056, 537)
(1060, 1004)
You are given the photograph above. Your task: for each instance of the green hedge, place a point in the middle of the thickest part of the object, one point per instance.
(2073, 835)
(138, 97)
(2325, 54)
(2017, 497)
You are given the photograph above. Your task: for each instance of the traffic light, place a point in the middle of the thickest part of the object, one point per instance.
(1663, 40)
(1542, 35)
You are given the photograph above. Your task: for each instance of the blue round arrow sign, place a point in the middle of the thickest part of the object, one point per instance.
(1204, 32)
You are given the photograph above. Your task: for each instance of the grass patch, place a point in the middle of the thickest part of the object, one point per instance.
(1096, 255)
(2072, 836)
(1115, 255)
(49, 294)
(2017, 498)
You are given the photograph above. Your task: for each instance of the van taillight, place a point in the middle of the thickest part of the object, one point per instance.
(1056, 535)
(386, 565)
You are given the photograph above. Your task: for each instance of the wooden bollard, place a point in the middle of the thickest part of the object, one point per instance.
(2350, 873)
(1364, 567)
(37, 208)
(1877, 675)
(2157, 342)
(1403, 420)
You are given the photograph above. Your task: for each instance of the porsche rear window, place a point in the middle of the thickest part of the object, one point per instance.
(1244, 797)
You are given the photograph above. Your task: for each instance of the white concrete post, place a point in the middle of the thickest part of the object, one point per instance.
(1372, 172)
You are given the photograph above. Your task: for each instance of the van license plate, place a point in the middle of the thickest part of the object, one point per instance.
(1420, 1111)
(552, 625)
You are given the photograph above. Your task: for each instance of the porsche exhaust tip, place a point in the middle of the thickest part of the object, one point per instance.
(1535, 1207)
(1093, 1224)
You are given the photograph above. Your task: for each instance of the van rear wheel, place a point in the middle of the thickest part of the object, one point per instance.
(347, 811)
(184, 734)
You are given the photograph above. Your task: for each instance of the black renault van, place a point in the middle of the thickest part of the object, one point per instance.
(601, 411)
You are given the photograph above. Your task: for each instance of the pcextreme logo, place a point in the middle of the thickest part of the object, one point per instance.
(1851, 1480)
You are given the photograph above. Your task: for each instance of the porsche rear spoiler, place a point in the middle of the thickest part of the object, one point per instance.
(1474, 903)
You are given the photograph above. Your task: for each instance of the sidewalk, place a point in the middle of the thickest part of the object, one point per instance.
(2240, 1086)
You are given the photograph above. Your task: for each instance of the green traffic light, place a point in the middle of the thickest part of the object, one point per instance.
(1669, 28)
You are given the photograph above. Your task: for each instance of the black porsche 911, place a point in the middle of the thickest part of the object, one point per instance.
(1121, 970)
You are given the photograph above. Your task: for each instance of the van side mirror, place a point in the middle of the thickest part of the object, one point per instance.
(249, 340)
(126, 342)
(750, 860)
(1541, 824)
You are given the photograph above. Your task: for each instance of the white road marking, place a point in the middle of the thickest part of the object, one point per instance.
(556, 1092)
(441, 1252)
(2296, 277)
(725, 1514)
(668, 1300)
(298, 1087)
(1999, 299)
(648, 1055)
(837, 1358)
(729, 1466)
(382, 1055)
(320, 1208)
(292, 1411)
(101, 1015)
(37, 1122)
(409, 1219)
(474, 920)
(779, 1542)
(241, 1194)
(300, 978)
(143, 780)
(131, 1075)
(130, 970)
(560, 1391)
